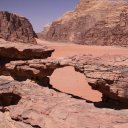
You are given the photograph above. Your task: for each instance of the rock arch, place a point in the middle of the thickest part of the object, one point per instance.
(107, 74)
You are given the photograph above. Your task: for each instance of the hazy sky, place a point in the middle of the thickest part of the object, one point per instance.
(39, 12)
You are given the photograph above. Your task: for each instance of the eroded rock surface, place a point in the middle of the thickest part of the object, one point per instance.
(7, 122)
(16, 28)
(40, 107)
(92, 22)
(20, 51)
(108, 74)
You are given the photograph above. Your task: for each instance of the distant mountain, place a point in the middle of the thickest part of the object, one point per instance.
(16, 28)
(92, 22)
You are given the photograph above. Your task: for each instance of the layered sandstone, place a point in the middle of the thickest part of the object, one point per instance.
(107, 74)
(93, 22)
(16, 28)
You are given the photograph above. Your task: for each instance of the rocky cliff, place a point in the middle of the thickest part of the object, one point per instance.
(16, 28)
(92, 22)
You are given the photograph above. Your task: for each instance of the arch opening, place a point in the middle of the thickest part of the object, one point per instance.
(67, 80)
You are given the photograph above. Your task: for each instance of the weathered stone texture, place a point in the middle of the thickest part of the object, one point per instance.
(93, 22)
(40, 107)
(108, 74)
(16, 28)
(19, 51)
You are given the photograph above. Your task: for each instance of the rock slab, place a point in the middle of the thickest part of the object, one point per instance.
(19, 51)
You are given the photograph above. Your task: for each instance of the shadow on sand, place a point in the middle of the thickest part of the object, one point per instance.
(110, 104)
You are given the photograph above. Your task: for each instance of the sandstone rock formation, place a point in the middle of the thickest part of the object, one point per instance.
(30, 101)
(40, 107)
(108, 74)
(93, 22)
(16, 28)
(20, 51)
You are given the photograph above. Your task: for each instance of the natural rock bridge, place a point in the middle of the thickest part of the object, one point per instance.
(30, 105)
(107, 74)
